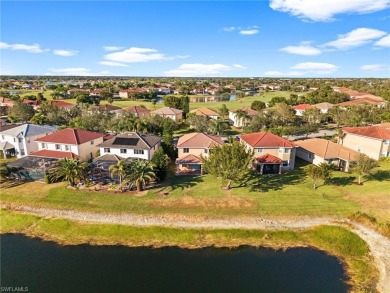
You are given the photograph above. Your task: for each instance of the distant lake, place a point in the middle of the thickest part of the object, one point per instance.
(47, 267)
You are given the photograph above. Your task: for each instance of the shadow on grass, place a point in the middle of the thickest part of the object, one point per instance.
(11, 183)
(185, 181)
(341, 181)
(381, 175)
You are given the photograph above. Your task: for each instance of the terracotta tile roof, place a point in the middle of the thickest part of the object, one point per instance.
(269, 159)
(377, 132)
(199, 140)
(323, 105)
(189, 159)
(108, 107)
(31, 102)
(62, 104)
(385, 125)
(205, 112)
(359, 102)
(327, 149)
(248, 111)
(138, 110)
(54, 154)
(71, 136)
(266, 139)
(7, 101)
(303, 107)
(167, 111)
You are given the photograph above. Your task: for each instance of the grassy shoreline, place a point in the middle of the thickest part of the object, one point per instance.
(337, 241)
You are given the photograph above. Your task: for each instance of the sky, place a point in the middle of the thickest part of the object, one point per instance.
(276, 38)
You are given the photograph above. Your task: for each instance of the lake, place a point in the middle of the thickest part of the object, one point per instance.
(47, 267)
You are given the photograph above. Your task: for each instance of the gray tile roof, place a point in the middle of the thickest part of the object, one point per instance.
(132, 140)
(27, 130)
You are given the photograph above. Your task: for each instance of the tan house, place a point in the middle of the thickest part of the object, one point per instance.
(139, 112)
(373, 141)
(317, 151)
(324, 107)
(69, 143)
(205, 112)
(172, 113)
(272, 152)
(191, 148)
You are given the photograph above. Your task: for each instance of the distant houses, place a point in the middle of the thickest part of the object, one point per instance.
(167, 112)
(206, 112)
(139, 112)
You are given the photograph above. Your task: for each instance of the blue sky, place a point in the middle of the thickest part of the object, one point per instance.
(286, 38)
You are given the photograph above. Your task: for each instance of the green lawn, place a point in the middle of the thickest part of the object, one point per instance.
(289, 195)
(46, 94)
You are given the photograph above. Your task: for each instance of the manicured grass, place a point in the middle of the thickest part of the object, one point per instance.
(335, 240)
(46, 94)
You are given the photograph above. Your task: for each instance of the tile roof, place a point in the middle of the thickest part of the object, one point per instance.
(7, 126)
(266, 139)
(71, 136)
(189, 159)
(248, 111)
(132, 140)
(108, 107)
(327, 149)
(138, 109)
(27, 130)
(199, 140)
(109, 158)
(269, 159)
(377, 132)
(303, 107)
(62, 104)
(205, 112)
(359, 102)
(54, 154)
(323, 105)
(167, 111)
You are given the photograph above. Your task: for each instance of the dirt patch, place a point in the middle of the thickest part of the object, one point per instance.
(191, 202)
(378, 203)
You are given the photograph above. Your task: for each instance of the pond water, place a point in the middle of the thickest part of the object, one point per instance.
(47, 267)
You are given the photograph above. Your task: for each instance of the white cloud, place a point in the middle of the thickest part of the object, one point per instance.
(112, 48)
(229, 28)
(355, 38)
(65, 53)
(202, 69)
(303, 49)
(34, 48)
(374, 67)
(249, 32)
(384, 42)
(136, 55)
(110, 63)
(315, 67)
(325, 10)
(75, 71)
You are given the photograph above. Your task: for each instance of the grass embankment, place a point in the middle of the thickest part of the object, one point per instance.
(335, 240)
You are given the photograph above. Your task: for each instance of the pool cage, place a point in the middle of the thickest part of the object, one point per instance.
(31, 168)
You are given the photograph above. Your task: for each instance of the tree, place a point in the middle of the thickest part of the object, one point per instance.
(119, 169)
(141, 174)
(217, 126)
(229, 161)
(362, 166)
(198, 122)
(38, 119)
(223, 111)
(68, 169)
(21, 112)
(168, 140)
(258, 105)
(160, 162)
(315, 173)
(242, 116)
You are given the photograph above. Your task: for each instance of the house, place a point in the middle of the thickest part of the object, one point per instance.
(211, 114)
(69, 143)
(139, 112)
(107, 108)
(191, 148)
(317, 151)
(33, 103)
(323, 107)
(243, 119)
(361, 102)
(5, 102)
(373, 141)
(272, 152)
(19, 141)
(131, 145)
(62, 104)
(77, 90)
(125, 94)
(167, 112)
(301, 108)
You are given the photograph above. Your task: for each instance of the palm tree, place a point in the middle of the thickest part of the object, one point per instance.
(242, 116)
(69, 169)
(141, 174)
(119, 169)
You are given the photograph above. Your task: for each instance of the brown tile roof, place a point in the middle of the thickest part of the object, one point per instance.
(303, 107)
(323, 105)
(62, 104)
(377, 132)
(108, 107)
(205, 112)
(189, 159)
(327, 149)
(199, 140)
(71, 136)
(54, 154)
(167, 111)
(248, 111)
(132, 140)
(359, 102)
(266, 139)
(269, 159)
(137, 110)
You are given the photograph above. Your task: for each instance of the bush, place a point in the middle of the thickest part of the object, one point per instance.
(47, 179)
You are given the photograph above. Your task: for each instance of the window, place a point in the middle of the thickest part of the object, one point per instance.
(287, 151)
(123, 151)
(286, 163)
(206, 151)
(259, 150)
(67, 148)
(22, 152)
(107, 150)
(92, 142)
(359, 149)
(20, 140)
(186, 150)
(43, 145)
(386, 142)
(58, 147)
(139, 152)
(90, 155)
(310, 156)
(14, 139)
(2, 137)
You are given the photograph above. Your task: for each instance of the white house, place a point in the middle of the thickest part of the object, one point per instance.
(69, 143)
(19, 141)
(241, 120)
(131, 145)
